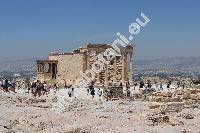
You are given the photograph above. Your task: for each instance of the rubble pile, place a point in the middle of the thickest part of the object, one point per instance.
(176, 109)
(189, 97)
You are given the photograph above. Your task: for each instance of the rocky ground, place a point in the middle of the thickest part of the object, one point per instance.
(24, 113)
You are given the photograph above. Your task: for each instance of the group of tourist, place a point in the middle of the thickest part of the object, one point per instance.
(35, 88)
(159, 85)
(91, 91)
(7, 85)
(38, 88)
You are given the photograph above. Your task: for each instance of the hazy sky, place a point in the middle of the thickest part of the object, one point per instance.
(33, 28)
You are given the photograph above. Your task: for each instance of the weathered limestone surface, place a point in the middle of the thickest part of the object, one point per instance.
(53, 56)
(69, 67)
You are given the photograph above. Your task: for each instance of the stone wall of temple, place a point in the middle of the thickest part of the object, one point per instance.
(41, 77)
(69, 67)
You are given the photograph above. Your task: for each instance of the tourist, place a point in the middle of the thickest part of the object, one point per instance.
(149, 84)
(128, 93)
(65, 84)
(161, 86)
(121, 85)
(127, 85)
(88, 90)
(28, 85)
(33, 88)
(128, 90)
(183, 85)
(168, 84)
(1, 84)
(5, 86)
(38, 89)
(178, 84)
(92, 91)
(55, 88)
(156, 83)
(135, 85)
(45, 87)
(141, 84)
(99, 93)
(42, 89)
(12, 86)
(71, 92)
(110, 93)
(49, 87)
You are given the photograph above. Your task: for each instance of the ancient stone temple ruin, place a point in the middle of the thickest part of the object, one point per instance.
(65, 67)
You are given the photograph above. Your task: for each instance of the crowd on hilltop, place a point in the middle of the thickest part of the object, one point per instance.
(8, 85)
(160, 85)
(38, 88)
(35, 88)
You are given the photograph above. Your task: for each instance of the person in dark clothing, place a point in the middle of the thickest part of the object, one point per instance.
(110, 93)
(149, 85)
(33, 88)
(183, 85)
(141, 84)
(178, 84)
(127, 85)
(128, 93)
(29, 86)
(92, 91)
(168, 84)
(13, 85)
(38, 89)
(99, 93)
(135, 85)
(71, 92)
(121, 85)
(5, 86)
(161, 86)
(43, 90)
(55, 87)
(91, 87)
(88, 91)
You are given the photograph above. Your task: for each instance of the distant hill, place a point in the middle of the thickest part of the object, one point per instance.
(177, 63)
(18, 65)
